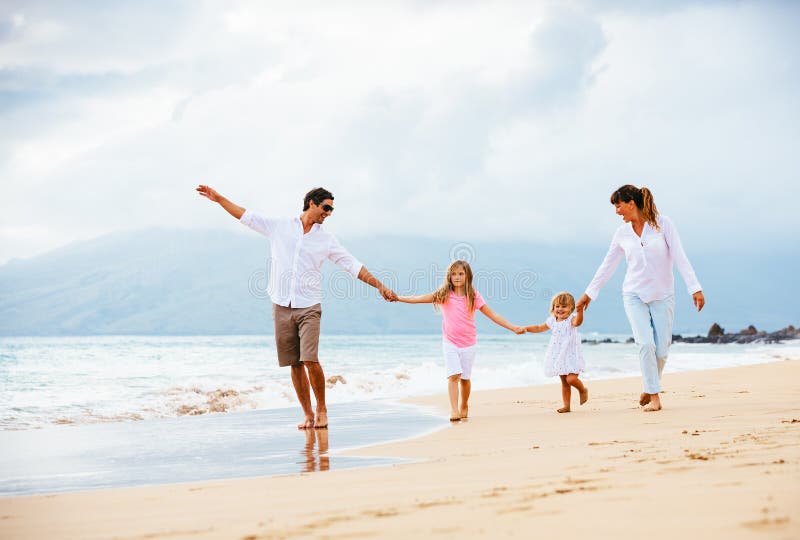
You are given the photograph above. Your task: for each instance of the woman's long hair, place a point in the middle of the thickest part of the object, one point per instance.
(441, 295)
(643, 199)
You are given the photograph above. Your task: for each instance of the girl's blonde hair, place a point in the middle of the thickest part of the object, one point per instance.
(440, 296)
(562, 299)
(643, 199)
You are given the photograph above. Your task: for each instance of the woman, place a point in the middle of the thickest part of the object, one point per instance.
(650, 244)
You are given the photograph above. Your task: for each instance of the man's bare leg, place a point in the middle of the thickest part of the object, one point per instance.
(452, 391)
(300, 382)
(466, 387)
(317, 379)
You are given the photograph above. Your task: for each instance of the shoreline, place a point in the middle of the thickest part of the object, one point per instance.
(251, 444)
(727, 442)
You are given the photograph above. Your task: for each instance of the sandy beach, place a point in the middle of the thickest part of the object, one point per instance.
(722, 461)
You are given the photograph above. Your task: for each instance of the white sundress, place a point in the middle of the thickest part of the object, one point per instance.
(563, 354)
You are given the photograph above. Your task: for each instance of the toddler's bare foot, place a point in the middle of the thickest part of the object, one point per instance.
(652, 407)
(644, 399)
(584, 395)
(562, 410)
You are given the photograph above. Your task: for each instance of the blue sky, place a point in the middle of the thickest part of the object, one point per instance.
(510, 120)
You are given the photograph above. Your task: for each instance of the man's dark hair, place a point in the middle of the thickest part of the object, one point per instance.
(317, 195)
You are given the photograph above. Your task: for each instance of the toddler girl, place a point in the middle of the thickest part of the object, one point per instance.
(564, 357)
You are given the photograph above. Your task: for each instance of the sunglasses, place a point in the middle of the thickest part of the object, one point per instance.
(327, 208)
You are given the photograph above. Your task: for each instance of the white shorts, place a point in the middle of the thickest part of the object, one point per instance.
(458, 360)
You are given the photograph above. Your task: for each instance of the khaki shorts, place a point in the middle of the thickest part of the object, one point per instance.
(296, 333)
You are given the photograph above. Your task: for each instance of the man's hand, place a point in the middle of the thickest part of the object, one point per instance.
(583, 303)
(389, 295)
(209, 193)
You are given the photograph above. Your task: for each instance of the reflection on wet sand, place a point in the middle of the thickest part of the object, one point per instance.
(315, 452)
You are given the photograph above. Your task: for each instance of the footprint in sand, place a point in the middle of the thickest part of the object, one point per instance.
(767, 523)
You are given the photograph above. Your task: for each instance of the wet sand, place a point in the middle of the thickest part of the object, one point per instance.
(721, 460)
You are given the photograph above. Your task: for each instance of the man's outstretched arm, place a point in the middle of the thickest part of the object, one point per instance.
(209, 193)
(365, 276)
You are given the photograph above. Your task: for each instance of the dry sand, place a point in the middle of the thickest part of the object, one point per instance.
(722, 460)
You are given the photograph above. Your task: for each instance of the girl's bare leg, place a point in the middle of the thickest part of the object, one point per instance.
(566, 394)
(452, 391)
(466, 387)
(573, 380)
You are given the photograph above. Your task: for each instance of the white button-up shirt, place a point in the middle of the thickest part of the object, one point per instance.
(295, 277)
(649, 258)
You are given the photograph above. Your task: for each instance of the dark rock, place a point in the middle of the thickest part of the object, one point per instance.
(749, 335)
(716, 330)
(598, 341)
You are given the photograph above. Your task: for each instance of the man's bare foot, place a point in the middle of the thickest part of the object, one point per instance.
(563, 409)
(322, 420)
(652, 407)
(463, 413)
(644, 399)
(308, 423)
(584, 395)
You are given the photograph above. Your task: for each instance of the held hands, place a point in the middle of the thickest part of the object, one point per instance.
(583, 303)
(519, 330)
(699, 300)
(388, 294)
(208, 192)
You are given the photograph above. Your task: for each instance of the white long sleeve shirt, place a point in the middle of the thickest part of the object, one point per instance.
(295, 276)
(649, 258)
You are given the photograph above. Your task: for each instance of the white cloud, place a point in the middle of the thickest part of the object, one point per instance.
(453, 119)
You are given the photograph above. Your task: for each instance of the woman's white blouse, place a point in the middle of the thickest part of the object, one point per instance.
(649, 259)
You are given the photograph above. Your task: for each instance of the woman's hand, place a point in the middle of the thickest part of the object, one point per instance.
(583, 302)
(208, 192)
(699, 300)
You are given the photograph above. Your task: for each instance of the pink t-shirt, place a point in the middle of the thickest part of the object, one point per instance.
(458, 324)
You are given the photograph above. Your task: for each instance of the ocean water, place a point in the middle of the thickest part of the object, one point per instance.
(47, 381)
(82, 413)
(201, 448)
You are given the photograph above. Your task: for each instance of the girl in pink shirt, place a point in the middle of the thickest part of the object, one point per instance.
(457, 300)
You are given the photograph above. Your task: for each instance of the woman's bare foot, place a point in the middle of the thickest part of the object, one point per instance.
(322, 420)
(464, 412)
(562, 410)
(644, 399)
(455, 416)
(654, 405)
(308, 423)
(584, 395)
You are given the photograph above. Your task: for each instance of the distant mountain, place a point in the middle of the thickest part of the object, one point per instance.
(192, 282)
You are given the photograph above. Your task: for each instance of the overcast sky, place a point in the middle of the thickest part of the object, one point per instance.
(449, 119)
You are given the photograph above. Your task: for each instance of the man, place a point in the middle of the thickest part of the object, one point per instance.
(299, 247)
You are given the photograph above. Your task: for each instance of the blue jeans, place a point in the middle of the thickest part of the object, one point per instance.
(652, 331)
